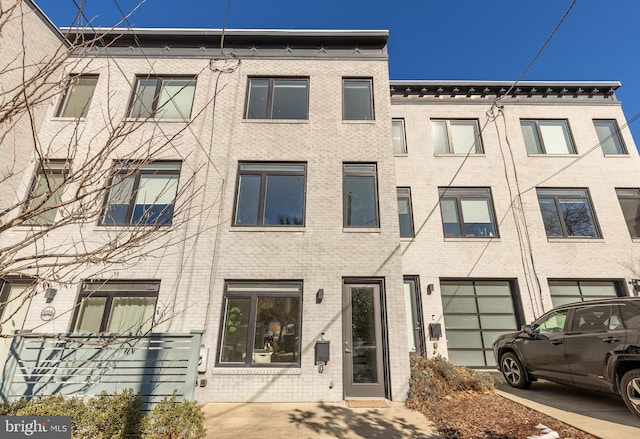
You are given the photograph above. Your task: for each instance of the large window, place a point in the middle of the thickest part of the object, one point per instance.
(568, 291)
(261, 324)
(360, 205)
(630, 204)
(142, 194)
(456, 137)
(609, 137)
(77, 96)
(405, 215)
(357, 99)
(547, 137)
(475, 313)
(270, 194)
(567, 213)
(163, 97)
(467, 213)
(116, 306)
(277, 98)
(46, 192)
(398, 136)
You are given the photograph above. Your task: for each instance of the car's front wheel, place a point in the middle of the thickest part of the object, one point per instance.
(513, 371)
(630, 390)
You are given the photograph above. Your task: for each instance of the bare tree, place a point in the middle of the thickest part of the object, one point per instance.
(123, 174)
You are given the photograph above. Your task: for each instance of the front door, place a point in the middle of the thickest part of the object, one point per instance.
(363, 365)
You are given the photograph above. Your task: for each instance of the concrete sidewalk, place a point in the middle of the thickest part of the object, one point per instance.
(314, 420)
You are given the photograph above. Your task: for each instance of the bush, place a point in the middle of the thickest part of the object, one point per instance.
(117, 416)
(174, 420)
(437, 378)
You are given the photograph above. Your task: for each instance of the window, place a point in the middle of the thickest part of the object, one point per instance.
(552, 323)
(413, 311)
(398, 136)
(405, 214)
(591, 319)
(547, 137)
(142, 194)
(360, 207)
(475, 313)
(630, 204)
(46, 192)
(261, 324)
(456, 137)
(568, 291)
(163, 97)
(567, 213)
(77, 96)
(270, 194)
(609, 137)
(116, 307)
(277, 98)
(357, 99)
(467, 212)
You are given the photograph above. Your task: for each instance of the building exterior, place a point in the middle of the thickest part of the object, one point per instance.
(313, 220)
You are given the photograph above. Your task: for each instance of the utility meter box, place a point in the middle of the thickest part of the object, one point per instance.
(435, 331)
(322, 352)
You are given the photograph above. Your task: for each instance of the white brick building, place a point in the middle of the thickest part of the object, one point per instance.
(282, 189)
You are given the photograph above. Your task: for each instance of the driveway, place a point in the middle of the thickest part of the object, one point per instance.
(600, 414)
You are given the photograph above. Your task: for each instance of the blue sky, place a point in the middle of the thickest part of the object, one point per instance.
(445, 39)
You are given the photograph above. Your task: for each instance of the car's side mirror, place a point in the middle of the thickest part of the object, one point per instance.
(527, 329)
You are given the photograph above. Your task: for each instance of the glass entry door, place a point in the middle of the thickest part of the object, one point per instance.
(363, 366)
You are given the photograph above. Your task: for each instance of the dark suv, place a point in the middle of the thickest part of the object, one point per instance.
(593, 345)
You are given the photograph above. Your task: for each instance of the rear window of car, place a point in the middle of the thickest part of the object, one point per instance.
(630, 316)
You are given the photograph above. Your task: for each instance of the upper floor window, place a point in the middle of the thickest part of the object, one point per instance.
(398, 136)
(261, 324)
(456, 137)
(77, 96)
(277, 98)
(567, 213)
(547, 137)
(405, 215)
(467, 213)
(163, 97)
(360, 195)
(270, 194)
(609, 137)
(630, 204)
(119, 307)
(142, 194)
(46, 192)
(357, 99)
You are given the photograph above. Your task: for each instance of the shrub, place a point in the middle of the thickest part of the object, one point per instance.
(436, 378)
(115, 416)
(174, 420)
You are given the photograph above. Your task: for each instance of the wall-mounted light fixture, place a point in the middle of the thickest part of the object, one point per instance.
(49, 294)
(319, 295)
(429, 289)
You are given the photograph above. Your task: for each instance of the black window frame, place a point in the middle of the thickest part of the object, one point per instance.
(154, 109)
(451, 143)
(348, 117)
(404, 193)
(137, 170)
(270, 96)
(69, 92)
(616, 137)
(630, 194)
(366, 174)
(548, 193)
(403, 137)
(46, 167)
(253, 293)
(87, 292)
(540, 137)
(460, 193)
(264, 174)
